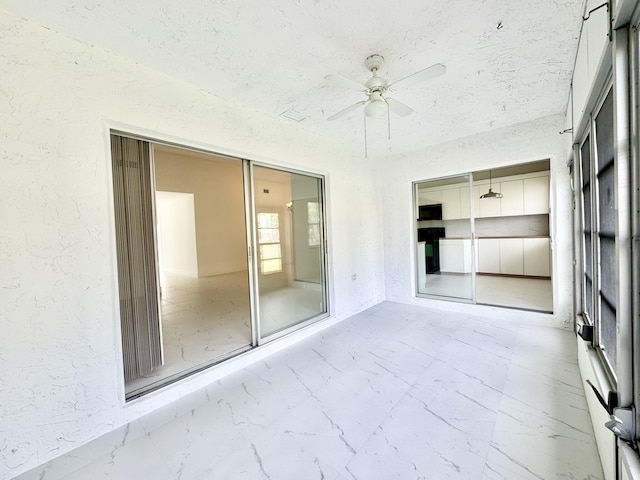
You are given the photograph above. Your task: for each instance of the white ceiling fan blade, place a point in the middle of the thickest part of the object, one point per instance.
(347, 110)
(426, 74)
(341, 81)
(398, 108)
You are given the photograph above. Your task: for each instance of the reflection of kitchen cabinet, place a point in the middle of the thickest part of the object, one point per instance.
(536, 195)
(537, 255)
(429, 197)
(512, 202)
(515, 256)
(486, 207)
(465, 208)
(455, 255)
(511, 256)
(488, 255)
(451, 204)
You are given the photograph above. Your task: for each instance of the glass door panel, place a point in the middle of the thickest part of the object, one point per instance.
(290, 249)
(444, 253)
(202, 262)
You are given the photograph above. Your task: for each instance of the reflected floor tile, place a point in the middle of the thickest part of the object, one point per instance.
(529, 293)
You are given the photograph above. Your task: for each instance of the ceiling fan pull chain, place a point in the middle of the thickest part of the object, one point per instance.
(388, 123)
(365, 135)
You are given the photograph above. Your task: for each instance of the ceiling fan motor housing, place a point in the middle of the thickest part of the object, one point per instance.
(374, 62)
(376, 84)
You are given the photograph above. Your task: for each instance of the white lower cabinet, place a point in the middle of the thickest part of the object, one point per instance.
(488, 255)
(511, 256)
(455, 255)
(537, 256)
(514, 256)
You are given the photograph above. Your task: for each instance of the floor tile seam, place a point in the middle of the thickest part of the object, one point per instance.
(502, 399)
(505, 393)
(377, 427)
(112, 452)
(149, 437)
(87, 460)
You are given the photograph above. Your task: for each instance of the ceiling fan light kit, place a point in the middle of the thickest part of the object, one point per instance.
(378, 105)
(377, 87)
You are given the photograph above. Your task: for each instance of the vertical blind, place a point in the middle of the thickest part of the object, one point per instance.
(137, 275)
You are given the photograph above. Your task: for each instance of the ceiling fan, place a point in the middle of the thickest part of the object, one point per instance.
(378, 104)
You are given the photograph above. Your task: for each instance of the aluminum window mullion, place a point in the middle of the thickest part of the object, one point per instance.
(624, 338)
(634, 151)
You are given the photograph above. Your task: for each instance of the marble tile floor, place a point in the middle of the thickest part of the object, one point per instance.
(207, 318)
(395, 392)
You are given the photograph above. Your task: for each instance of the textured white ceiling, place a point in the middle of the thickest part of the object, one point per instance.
(274, 54)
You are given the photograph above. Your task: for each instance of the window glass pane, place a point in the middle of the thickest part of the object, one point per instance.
(268, 235)
(196, 253)
(588, 297)
(268, 220)
(270, 251)
(271, 266)
(608, 269)
(314, 235)
(291, 278)
(608, 332)
(443, 248)
(604, 132)
(606, 201)
(606, 282)
(313, 212)
(585, 157)
(586, 208)
(588, 255)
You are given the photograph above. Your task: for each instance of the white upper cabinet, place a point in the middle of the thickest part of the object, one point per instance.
(512, 202)
(521, 195)
(487, 207)
(465, 204)
(536, 195)
(429, 196)
(451, 204)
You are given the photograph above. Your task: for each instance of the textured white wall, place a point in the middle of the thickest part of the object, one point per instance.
(60, 361)
(536, 140)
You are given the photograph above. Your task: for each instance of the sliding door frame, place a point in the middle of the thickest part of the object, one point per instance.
(324, 278)
(251, 248)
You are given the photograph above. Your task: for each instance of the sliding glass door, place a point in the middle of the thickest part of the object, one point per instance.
(444, 253)
(484, 237)
(191, 292)
(290, 261)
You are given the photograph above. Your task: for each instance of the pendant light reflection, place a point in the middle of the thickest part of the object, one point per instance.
(491, 193)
